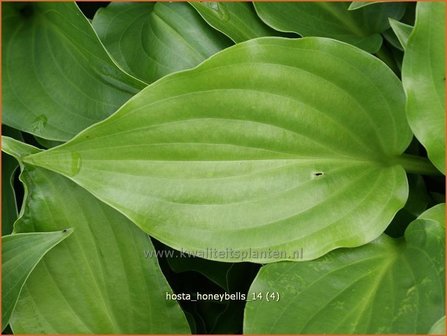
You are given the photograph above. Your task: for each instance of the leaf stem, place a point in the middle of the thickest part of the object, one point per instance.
(417, 165)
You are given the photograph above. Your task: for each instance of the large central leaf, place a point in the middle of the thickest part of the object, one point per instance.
(248, 150)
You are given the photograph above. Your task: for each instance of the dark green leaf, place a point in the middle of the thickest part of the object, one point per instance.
(361, 27)
(151, 40)
(237, 20)
(392, 39)
(57, 77)
(214, 271)
(388, 286)
(402, 31)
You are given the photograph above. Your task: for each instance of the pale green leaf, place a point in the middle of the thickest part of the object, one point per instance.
(423, 77)
(274, 144)
(20, 255)
(17, 149)
(57, 77)
(439, 327)
(150, 40)
(360, 4)
(388, 286)
(417, 202)
(99, 281)
(237, 20)
(361, 27)
(435, 213)
(402, 31)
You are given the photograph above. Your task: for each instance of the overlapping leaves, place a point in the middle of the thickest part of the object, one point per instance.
(423, 77)
(273, 149)
(388, 286)
(87, 283)
(237, 20)
(57, 77)
(150, 40)
(360, 27)
(238, 154)
(20, 255)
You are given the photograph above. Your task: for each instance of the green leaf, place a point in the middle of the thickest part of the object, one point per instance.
(361, 27)
(418, 199)
(388, 286)
(17, 149)
(392, 39)
(237, 20)
(290, 146)
(402, 31)
(20, 255)
(423, 77)
(360, 4)
(151, 40)
(57, 77)
(98, 281)
(226, 275)
(47, 143)
(439, 327)
(435, 213)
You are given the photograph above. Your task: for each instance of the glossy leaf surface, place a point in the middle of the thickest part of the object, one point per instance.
(423, 76)
(98, 281)
(361, 27)
(150, 40)
(57, 77)
(20, 255)
(388, 286)
(237, 20)
(238, 154)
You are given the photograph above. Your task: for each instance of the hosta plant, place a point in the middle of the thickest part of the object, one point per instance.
(232, 167)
